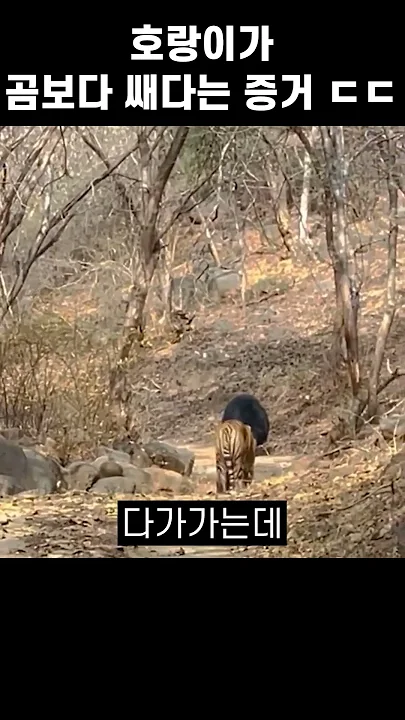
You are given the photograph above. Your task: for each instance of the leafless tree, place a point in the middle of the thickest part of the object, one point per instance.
(28, 184)
(137, 205)
(306, 186)
(332, 163)
(388, 150)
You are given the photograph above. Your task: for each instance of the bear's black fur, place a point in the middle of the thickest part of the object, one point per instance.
(248, 409)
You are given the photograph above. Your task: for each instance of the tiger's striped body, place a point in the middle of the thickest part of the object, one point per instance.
(235, 450)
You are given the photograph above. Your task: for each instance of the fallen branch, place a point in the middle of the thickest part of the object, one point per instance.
(265, 297)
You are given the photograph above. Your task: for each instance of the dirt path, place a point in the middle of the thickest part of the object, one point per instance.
(84, 525)
(335, 509)
(338, 505)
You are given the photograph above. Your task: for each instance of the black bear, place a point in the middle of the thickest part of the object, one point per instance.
(247, 409)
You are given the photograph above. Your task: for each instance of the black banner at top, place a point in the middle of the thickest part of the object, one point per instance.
(205, 73)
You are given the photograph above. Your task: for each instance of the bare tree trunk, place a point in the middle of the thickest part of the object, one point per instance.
(289, 199)
(208, 223)
(149, 248)
(209, 235)
(348, 280)
(146, 252)
(333, 175)
(242, 244)
(347, 286)
(304, 200)
(281, 215)
(339, 350)
(166, 280)
(324, 173)
(389, 156)
(244, 279)
(134, 316)
(279, 191)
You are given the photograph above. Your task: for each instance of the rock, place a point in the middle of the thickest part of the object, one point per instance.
(222, 283)
(153, 479)
(17, 471)
(171, 481)
(135, 455)
(115, 484)
(92, 476)
(109, 454)
(46, 472)
(15, 475)
(141, 478)
(140, 458)
(28, 471)
(99, 461)
(110, 468)
(81, 475)
(10, 485)
(166, 456)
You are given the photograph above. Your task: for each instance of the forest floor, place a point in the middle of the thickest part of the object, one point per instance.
(340, 503)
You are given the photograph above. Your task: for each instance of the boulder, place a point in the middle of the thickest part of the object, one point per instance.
(110, 468)
(46, 473)
(114, 484)
(134, 454)
(170, 481)
(118, 456)
(166, 456)
(24, 469)
(98, 462)
(15, 475)
(81, 475)
(129, 480)
(140, 477)
(140, 458)
(222, 283)
(11, 485)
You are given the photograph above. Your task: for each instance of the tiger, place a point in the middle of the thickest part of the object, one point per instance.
(235, 451)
